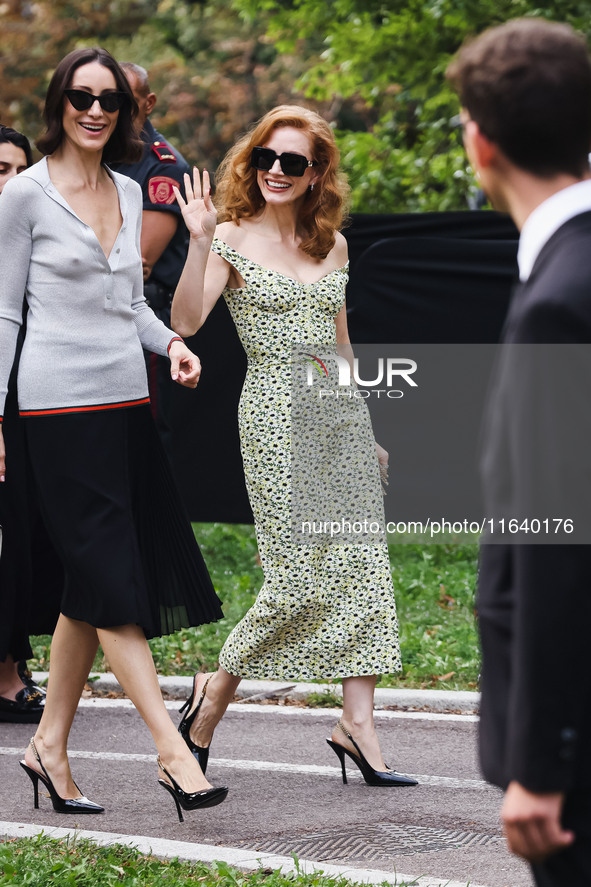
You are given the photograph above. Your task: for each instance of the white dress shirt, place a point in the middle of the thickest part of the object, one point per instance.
(546, 219)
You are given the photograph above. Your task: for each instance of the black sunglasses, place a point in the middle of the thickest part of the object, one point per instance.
(82, 100)
(291, 164)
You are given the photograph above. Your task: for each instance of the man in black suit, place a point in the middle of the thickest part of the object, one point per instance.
(525, 89)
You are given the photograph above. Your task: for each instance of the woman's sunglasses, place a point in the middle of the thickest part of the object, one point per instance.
(82, 100)
(291, 164)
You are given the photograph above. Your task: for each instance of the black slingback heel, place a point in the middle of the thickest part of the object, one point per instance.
(199, 752)
(60, 805)
(191, 800)
(371, 776)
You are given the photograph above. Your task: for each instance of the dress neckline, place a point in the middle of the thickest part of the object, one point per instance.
(280, 273)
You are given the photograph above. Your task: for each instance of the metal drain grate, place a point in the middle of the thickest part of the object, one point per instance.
(373, 843)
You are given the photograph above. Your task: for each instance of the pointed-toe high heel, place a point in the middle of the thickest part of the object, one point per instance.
(60, 805)
(201, 753)
(191, 800)
(371, 776)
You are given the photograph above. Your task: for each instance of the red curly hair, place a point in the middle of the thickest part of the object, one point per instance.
(324, 209)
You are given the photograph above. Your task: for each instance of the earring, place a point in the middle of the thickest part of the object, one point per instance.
(312, 186)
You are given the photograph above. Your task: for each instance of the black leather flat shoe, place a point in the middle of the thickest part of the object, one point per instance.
(26, 708)
(210, 797)
(199, 752)
(26, 677)
(60, 805)
(371, 776)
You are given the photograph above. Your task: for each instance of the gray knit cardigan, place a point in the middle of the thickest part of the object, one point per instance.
(88, 319)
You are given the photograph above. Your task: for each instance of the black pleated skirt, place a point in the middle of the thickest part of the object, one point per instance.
(115, 516)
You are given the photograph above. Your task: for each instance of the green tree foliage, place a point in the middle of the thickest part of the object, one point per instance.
(386, 60)
(214, 72)
(374, 68)
(35, 36)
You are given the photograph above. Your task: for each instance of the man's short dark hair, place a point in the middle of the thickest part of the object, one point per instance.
(123, 145)
(16, 138)
(527, 84)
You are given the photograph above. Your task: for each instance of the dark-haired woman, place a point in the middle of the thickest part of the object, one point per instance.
(28, 563)
(15, 154)
(70, 231)
(281, 264)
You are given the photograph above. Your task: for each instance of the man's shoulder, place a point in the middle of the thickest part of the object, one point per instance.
(575, 230)
(554, 305)
(567, 253)
(161, 151)
(162, 169)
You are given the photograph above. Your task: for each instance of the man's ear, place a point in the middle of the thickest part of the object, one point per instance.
(480, 150)
(151, 100)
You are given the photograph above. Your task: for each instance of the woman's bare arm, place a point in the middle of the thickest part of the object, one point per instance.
(205, 274)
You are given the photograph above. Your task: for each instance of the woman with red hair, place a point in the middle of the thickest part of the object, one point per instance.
(278, 259)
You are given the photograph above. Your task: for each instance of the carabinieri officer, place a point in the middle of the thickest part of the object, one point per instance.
(164, 240)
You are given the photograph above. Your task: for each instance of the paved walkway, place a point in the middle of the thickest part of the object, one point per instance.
(286, 796)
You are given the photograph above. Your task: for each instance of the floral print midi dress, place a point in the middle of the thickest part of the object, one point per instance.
(324, 611)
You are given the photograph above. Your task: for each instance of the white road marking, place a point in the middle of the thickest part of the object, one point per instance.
(269, 766)
(254, 708)
(249, 860)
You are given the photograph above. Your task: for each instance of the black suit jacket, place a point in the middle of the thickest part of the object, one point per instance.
(534, 601)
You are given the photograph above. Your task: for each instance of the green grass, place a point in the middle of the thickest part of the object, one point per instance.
(434, 587)
(44, 862)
